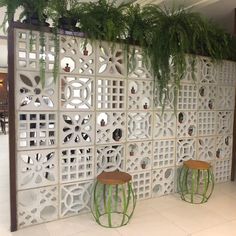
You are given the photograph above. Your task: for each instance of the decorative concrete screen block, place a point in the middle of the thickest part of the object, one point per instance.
(31, 95)
(139, 68)
(76, 164)
(75, 198)
(186, 150)
(77, 128)
(226, 97)
(163, 153)
(111, 94)
(139, 156)
(164, 125)
(192, 70)
(74, 58)
(226, 73)
(167, 99)
(224, 147)
(111, 60)
(110, 158)
(110, 127)
(162, 181)
(222, 170)
(37, 168)
(208, 71)
(28, 50)
(37, 130)
(139, 125)
(206, 123)
(77, 92)
(207, 97)
(224, 122)
(186, 124)
(206, 148)
(187, 99)
(37, 206)
(140, 95)
(142, 184)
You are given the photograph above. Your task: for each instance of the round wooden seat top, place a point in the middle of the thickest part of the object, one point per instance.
(197, 165)
(114, 177)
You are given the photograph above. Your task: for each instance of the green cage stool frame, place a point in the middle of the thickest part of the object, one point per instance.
(113, 200)
(196, 181)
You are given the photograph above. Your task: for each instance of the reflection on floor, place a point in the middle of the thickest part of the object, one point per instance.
(165, 216)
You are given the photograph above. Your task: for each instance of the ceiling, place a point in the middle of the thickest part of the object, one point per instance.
(220, 11)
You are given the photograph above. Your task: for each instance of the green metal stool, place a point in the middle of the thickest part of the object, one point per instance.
(113, 199)
(196, 181)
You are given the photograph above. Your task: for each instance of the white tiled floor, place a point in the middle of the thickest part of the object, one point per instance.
(165, 216)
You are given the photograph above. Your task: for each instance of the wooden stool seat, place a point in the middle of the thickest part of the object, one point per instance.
(114, 177)
(197, 165)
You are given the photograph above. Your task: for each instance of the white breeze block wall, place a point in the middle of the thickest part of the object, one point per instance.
(99, 116)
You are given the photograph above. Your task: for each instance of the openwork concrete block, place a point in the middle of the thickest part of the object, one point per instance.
(186, 124)
(110, 60)
(110, 158)
(208, 71)
(77, 128)
(37, 168)
(31, 95)
(37, 130)
(185, 150)
(37, 206)
(163, 153)
(74, 58)
(75, 198)
(110, 127)
(77, 92)
(140, 95)
(139, 125)
(76, 164)
(207, 95)
(226, 73)
(222, 170)
(164, 125)
(206, 148)
(27, 50)
(142, 183)
(206, 123)
(225, 100)
(224, 147)
(138, 156)
(111, 94)
(224, 122)
(162, 181)
(187, 97)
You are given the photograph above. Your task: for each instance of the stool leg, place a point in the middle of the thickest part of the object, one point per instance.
(109, 204)
(116, 197)
(198, 180)
(96, 202)
(193, 183)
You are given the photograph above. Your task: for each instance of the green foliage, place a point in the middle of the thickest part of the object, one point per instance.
(102, 20)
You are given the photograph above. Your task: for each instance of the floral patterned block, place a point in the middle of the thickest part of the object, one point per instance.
(75, 198)
(110, 60)
(164, 125)
(77, 128)
(36, 206)
(37, 169)
(226, 98)
(206, 148)
(31, 95)
(77, 92)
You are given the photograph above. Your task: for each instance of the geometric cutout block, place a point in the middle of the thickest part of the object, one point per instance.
(222, 170)
(224, 122)
(206, 123)
(37, 206)
(37, 130)
(187, 99)
(77, 164)
(224, 146)
(208, 71)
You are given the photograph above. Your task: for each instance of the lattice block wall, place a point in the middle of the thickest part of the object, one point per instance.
(101, 116)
